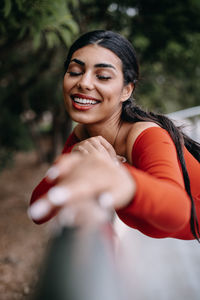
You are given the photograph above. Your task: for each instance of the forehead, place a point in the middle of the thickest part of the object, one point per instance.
(95, 54)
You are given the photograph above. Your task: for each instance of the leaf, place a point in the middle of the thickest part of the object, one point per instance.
(72, 26)
(22, 32)
(66, 37)
(19, 4)
(7, 8)
(52, 39)
(36, 41)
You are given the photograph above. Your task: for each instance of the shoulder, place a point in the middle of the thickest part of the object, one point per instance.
(134, 132)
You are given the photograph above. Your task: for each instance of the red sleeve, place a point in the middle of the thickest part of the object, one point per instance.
(43, 187)
(71, 141)
(161, 206)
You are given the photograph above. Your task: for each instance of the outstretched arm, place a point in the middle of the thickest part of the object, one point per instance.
(81, 179)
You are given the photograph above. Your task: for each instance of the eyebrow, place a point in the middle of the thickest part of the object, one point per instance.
(100, 65)
(78, 61)
(103, 65)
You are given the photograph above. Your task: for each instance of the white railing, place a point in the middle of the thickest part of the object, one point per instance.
(190, 119)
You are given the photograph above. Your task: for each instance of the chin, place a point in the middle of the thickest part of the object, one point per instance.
(81, 119)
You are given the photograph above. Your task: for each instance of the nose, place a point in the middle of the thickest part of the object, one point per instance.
(86, 81)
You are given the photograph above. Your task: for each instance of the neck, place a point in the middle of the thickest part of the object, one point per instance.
(109, 130)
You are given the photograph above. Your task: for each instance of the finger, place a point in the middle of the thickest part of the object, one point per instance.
(121, 159)
(82, 186)
(42, 210)
(59, 200)
(99, 144)
(39, 209)
(107, 146)
(69, 195)
(62, 197)
(91, 146)
(73, 191)
(63, 165)
(81, 149)
(79, 189)
(79, 180)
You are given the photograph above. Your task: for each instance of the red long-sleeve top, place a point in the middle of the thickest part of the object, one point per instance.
(161, 206)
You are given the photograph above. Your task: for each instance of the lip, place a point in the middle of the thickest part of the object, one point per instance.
(82, 96)
(84, 107)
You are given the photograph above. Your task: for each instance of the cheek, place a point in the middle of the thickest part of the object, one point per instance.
(107, 90)
(67, 84)
(112, 92)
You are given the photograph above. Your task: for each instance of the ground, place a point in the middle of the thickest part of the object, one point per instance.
(22, 243)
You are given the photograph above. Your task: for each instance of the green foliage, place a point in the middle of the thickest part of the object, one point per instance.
(34, 38)
(39, 19)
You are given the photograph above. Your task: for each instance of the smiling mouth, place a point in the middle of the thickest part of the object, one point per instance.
(83, 102)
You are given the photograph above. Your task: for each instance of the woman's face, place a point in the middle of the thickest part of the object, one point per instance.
(93, 85)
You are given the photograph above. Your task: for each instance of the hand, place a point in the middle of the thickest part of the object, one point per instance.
(83, 183)
(96, 144)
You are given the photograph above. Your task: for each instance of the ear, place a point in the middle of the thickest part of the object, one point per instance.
(127, 91)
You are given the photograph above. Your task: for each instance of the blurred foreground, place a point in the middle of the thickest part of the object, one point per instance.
(153, 269)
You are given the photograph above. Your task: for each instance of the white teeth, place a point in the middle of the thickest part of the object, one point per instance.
(85, 101)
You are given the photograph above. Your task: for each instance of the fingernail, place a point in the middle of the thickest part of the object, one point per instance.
(39, 209)
(121, 159)
(58, 195)
(106, 200)
(52, 173)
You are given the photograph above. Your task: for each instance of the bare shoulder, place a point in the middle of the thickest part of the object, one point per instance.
(135, 130)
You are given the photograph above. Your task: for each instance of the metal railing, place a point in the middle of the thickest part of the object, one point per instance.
(190, 118)
(81, 265)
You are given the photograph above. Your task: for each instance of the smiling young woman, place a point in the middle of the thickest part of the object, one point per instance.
(94, 89)
(118, 153)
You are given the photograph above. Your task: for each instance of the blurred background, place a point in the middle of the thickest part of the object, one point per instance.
(34, 38)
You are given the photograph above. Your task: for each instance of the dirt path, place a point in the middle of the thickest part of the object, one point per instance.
(22, 243)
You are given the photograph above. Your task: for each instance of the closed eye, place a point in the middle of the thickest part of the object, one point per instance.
(74, 73)
(101, 77)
